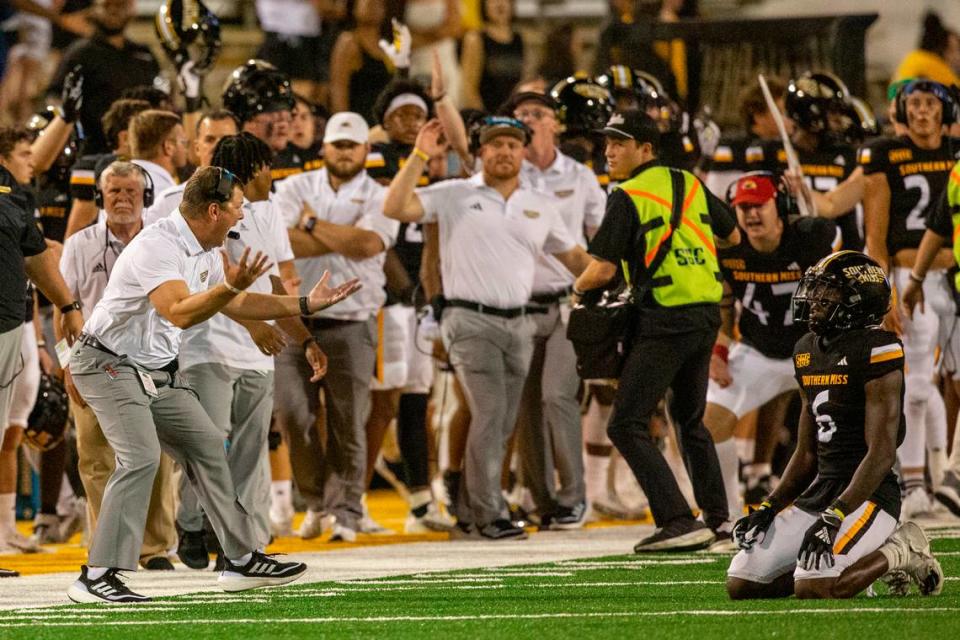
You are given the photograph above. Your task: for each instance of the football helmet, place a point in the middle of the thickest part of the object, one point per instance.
(188, 30)
(637, 89)
(845, 290)
(812, 97)
(59, 171)
(584, 105)
(47, 423)
(257, 87)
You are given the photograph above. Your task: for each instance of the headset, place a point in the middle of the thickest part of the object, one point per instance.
(148, 191)
(226, 179)
(785, 202)
(951, 108)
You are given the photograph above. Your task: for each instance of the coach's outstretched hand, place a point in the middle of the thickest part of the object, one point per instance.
(242, 275)
(323, 296)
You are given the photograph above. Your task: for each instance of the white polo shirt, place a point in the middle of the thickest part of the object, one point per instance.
(359, 203)
(164, 203)
(124, 320)
(581, 203)
(89, 257)
(489, 246)
(220, 339)
(162, 180)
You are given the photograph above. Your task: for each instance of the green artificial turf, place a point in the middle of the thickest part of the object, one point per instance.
(667, 596)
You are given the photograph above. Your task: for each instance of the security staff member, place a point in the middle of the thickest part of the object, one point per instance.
(89, 257)
(168, 280)
(492, 229)
(668, 216)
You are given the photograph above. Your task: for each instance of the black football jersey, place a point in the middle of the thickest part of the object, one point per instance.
(294, 160)
(680, 149)
(764, 283)
(53, 209)
(84, 175)
(917, 178)
(823, 169)
(833, 380)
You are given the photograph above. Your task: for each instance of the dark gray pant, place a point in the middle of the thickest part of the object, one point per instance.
(330, 475)
(239, 402)
(137, 426)
(549, 435)
(490, 357)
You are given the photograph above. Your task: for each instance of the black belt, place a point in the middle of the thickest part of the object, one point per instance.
(319, 324)
(171, 367)
(552, 297)
(512, 312)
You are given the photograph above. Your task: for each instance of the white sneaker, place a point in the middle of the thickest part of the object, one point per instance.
(916, 503)
(20, 542)
(917, 561)
(312, 525)
(343, 533)
(75, 521)
(46, 529)
(435, 519)
(368, 525)
(281, 528)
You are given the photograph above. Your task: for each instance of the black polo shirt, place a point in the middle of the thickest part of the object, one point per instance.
(619, 239)
(19, 238)
(107, 71)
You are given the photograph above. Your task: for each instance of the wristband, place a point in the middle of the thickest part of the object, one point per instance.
(420, 153)
(73, 306)
(232, 289)
(773, 503)
(304, 307)
(839, 508)
(915, 278)
(721, 351)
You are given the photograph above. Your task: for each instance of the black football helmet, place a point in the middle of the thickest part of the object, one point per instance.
(846, 290)
(47, 423)
(257, 87)
(811, 99)
(637, 89)
(188, 30)
(59, 171)
(584, 105)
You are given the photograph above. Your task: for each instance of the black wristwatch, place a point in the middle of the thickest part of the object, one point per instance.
(73, 306)
(304, 306)
(310, 224)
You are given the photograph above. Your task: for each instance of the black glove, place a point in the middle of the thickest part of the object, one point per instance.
(71, 98)
(817, 547)
(752, 528)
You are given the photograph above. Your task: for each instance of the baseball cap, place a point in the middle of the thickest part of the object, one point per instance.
(346, 125)
(493, 126)
(632, 124)
(754, 190)
(520, 97)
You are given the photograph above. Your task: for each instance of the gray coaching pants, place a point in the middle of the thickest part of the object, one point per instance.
(137, 426)
(549, 434)
(490, 357)
(330, 474)
(239, 402)
(11, 365)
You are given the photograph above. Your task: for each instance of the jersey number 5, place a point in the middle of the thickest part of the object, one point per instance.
(826, 427)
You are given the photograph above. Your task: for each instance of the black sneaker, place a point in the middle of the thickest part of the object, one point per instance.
(565, 518)
(679, 535)
(9, 573)
(464, 531)
(158, 563)
(502, 529)
(192, 550)
(107, 588)
(261, 571)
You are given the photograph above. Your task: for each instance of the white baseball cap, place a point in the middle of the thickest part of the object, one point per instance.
(346, 125)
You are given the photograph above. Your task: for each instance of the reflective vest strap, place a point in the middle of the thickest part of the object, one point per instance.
(956, 233)
(653, 252)
(649, 196)
(955, 175)
(690, 196)
(686, 221)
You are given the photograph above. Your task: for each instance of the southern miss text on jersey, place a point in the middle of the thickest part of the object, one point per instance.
(764, 283)
(916, 178)
(833, 378)
(823, 169)
(293, 160)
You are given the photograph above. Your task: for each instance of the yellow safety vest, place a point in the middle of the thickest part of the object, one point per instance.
(690, 272)
(953, 202)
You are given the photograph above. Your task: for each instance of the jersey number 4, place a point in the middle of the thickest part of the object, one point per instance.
(756, 307)
(826, 427)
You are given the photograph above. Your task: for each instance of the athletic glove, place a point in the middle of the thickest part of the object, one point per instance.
(71, 98)
(816, 551)
(752, 528)
(398, 50)
(191, 84)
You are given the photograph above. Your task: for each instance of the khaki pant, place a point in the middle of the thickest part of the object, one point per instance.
(97, 462)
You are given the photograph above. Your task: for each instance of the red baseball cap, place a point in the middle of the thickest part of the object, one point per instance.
(754, 190)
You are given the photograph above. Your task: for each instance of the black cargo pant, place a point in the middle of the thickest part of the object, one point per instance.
(680, 362)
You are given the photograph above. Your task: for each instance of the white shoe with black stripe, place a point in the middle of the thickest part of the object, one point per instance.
(108, 588)
(261, 571)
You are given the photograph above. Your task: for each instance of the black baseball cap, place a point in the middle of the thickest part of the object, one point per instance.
(632, 124)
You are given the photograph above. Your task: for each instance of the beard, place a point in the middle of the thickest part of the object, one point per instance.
(344, 171)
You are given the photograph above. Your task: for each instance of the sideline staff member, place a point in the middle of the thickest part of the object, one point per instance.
(165, 282)
(678, 320)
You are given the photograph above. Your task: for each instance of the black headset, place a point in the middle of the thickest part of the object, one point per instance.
(225, 182)
(148, 192)
(950, 113)
(785, 202)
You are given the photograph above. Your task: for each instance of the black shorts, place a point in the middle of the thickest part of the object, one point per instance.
(300, 57)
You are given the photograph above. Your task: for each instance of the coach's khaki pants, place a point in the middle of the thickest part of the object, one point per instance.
(96, 464)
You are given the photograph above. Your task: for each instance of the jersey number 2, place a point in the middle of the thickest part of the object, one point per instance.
(826, 427)
(915, 221)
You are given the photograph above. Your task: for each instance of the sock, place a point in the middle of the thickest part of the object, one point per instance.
(8, 512)
(281, 497)
(597, 449)
(912, 480)
(730, 468)
(937, 459)
(420, 502)
(95, 573)
(242, 560)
